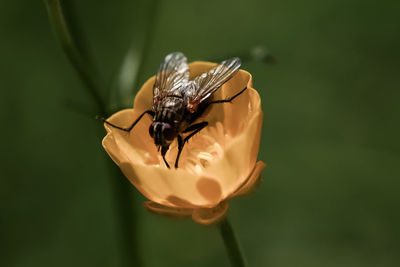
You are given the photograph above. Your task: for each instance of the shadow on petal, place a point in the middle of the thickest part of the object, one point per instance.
(129, 172)
(167, 211)
(179, 202)
(210, 189)
(210, 216)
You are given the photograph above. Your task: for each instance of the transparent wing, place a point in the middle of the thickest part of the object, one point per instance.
(171, 75)
(207, 83)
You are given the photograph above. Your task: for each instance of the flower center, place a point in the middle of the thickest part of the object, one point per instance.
(204, 148)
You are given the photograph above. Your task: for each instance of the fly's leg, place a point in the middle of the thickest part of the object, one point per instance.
(229, 99)
(199, 126)
(164, 150)
(150, 112)
(194, 129)
(180, 147)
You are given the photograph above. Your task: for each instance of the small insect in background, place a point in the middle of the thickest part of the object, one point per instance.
(178, 102)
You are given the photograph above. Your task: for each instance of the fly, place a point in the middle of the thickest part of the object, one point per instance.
(178, 102)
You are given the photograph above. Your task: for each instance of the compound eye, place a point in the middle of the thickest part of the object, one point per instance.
(151, 130)
(169, 132)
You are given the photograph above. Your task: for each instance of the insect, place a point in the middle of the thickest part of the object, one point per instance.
(179, 102)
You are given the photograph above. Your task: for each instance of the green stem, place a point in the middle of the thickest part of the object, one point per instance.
(131, 73)
(73, 51)
(148, 37)
(231, 243)
(126, 213)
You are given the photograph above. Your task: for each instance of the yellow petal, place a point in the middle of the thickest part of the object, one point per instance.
(209, 216)
(167, 211)
(136, 145)
(173, 187)
(214, 164)
(144, 98)
(252, 182)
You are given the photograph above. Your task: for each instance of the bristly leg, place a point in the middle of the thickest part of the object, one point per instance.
(229, 99)
(195, 128)
(199, 126)
(164, 150)
(150, 112)
(180, 147)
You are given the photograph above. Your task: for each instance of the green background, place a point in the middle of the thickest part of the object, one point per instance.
(330, 194)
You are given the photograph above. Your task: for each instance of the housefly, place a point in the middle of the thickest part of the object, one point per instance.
(178, 102)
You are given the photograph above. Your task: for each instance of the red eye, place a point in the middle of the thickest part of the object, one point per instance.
(169, 132)
(151, 130)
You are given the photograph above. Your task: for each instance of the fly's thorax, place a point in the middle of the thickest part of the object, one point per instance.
(171, 109)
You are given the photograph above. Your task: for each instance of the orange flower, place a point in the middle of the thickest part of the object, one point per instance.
(217, 164)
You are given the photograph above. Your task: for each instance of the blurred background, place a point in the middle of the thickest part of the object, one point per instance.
(330, 194)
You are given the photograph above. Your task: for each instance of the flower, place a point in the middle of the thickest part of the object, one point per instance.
(217, 164)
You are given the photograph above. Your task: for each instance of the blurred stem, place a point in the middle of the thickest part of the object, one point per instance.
(131, 73)
(71, 18)
(127, 217)
(74, 52)
(148, 37)
(231, 243)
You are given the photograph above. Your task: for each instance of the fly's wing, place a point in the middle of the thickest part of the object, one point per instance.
(172, 74)
(207, 83)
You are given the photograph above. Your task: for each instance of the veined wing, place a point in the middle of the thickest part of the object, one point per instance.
(171, 75)
(207, 83)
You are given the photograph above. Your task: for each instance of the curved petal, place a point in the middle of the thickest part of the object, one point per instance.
(167, 211)
(252, 182)
(136, 145)
(144, 98)
(214, 164)
(238, 158)
(210, 216)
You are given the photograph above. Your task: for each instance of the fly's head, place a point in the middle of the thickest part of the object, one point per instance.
(163, 133)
